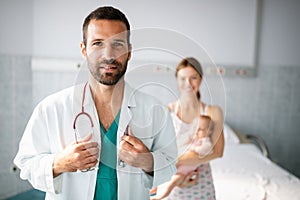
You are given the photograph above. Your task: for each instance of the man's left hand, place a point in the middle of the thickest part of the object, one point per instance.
(135, 153)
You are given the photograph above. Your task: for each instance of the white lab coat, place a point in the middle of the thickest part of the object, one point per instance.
(50, 130)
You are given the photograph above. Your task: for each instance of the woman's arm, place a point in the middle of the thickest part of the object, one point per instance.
(217, 139)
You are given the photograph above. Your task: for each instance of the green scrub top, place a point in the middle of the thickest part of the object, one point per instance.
(107, 182)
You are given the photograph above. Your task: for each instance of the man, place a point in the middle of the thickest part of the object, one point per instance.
(57, 161)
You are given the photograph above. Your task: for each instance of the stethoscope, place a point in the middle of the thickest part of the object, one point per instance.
(83, 113)
(121, 163)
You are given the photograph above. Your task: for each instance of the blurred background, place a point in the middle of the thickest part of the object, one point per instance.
(249, 49)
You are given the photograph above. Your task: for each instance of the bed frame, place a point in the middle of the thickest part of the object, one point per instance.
(254, 139)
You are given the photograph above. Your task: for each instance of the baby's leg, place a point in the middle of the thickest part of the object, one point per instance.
(175, 181)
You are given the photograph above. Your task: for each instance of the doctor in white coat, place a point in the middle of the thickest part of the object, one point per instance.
(56, 161)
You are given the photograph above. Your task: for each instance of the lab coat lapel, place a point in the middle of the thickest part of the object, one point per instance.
(126, 114)
(90, 108)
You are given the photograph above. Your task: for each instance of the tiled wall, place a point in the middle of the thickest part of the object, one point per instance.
(15, 104)
(267, 105)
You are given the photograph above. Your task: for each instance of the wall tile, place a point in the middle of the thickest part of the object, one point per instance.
(6, 141)
(22, 69)
(295, 102)
(15, 104)
(6, 98)
(295, 78)
(268, 105)
(6, 69)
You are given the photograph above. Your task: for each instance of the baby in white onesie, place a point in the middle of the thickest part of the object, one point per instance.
(198, 142)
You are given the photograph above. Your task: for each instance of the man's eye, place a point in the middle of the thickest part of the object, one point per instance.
(98, 44)
(118, 45)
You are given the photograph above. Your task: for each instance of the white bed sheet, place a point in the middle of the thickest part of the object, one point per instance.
(244, 173)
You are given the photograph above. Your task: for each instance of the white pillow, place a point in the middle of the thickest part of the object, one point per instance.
(229, 135)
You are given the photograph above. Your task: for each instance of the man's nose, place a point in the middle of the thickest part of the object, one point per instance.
(108, 53)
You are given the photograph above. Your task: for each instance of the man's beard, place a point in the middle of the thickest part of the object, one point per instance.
(107, 78)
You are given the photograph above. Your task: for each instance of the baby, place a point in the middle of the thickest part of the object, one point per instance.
(200, 143)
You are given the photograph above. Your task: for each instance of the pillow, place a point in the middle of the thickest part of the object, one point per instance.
(230, 136)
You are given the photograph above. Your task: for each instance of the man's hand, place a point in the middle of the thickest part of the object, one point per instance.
(134, 152)
(81, 155)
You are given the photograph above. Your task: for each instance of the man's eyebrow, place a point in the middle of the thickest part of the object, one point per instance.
(119, 40)
(98, 39)
(114, 39)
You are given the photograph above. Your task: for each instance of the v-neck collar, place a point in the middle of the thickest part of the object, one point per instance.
(113, 126)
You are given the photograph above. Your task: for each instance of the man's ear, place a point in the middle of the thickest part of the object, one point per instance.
(83, 50)
(129, 51)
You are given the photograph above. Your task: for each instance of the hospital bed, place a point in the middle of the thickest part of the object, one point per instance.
(246, 171)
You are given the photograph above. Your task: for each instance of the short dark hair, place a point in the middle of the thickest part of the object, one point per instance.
(109, 13)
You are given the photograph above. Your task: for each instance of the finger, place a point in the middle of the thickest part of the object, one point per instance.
(87, 145)
(124, 156)
(196, 176)
(129, 131)
(90, 159)
(137, 144)
(126, 146)
(190, 175)
(187, 178)
(196, 173)
(88, 165)
(153, 190)
(184, 181)
(192, 182)
(91, 152)
(130, 139)
(187, 182)
(133, 140)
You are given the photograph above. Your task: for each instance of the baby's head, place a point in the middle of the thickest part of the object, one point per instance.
(205, 126)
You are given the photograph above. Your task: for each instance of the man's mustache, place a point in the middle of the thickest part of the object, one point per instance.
(111, 61)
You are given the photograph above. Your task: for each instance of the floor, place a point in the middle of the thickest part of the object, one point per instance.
(29, 195)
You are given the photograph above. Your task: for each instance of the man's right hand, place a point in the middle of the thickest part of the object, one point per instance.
(76, 156)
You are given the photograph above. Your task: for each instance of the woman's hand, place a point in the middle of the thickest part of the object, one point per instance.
(190, 179)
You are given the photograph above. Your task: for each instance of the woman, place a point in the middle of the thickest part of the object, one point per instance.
(185, 112)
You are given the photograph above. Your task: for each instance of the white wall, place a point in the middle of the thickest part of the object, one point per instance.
(16, 27)
(53, 28)
(280, 33)
(225, 29)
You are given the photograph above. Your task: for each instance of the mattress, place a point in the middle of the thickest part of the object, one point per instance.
(244, 173)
